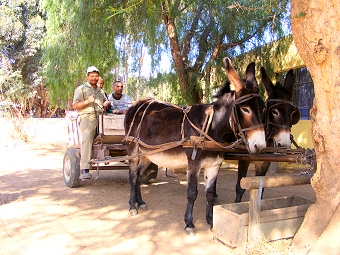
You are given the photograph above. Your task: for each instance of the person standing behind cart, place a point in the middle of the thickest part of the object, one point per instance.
(100, 84)
(119, 101)
(89, 100)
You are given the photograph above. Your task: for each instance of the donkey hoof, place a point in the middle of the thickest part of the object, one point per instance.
(133, 212)
(143, 207)
(190, 231)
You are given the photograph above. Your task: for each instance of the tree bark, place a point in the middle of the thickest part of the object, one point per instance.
(188, 91)
(316, 27)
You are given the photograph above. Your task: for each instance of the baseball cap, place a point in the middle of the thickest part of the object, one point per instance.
(91, 69)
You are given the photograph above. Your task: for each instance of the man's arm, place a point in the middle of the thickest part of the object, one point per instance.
(81, 104)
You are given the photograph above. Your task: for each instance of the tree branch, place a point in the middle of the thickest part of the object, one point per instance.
(203, 45)
(190, 34)
(228, 45)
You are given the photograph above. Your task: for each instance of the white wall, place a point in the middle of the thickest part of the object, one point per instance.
(49, 131)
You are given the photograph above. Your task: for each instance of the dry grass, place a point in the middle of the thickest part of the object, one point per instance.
(264, 247)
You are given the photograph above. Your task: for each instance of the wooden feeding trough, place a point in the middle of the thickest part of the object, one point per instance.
(238, 223)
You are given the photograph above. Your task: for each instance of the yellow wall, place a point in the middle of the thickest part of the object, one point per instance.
(276, 57)
(302, 133)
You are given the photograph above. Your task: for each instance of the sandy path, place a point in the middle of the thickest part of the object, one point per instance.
(39, 214)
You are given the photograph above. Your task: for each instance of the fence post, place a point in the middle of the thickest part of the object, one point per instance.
(254, 233)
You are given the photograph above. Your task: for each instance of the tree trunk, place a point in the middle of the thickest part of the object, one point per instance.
(188, 89)
(316, 27)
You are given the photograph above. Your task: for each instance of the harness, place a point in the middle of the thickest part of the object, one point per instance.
(195, 142)
(234, 116)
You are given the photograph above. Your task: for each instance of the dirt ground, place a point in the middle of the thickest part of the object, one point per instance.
(40, 215)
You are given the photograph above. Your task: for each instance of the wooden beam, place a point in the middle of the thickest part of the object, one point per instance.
(290, 158)
(249, 183)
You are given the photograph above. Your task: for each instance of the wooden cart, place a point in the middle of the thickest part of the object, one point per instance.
(108, 143)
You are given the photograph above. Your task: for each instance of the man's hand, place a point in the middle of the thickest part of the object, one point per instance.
(106, 104)
(90, 99)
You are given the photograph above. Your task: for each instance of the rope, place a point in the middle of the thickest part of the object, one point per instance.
(203, 132)
(295, 143)
(134, 116)
(168, 145)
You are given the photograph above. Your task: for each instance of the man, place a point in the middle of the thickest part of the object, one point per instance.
(119, 101)
(100, 82)
(89, 100)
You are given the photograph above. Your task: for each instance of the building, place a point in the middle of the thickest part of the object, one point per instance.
(278, 57)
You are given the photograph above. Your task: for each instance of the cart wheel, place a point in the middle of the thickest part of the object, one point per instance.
(150, 174)
(71, 168)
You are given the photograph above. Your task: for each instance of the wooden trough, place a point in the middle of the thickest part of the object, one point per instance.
(239, 223)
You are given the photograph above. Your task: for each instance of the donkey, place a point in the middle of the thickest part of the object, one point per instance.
(281, 114)
(151, 126)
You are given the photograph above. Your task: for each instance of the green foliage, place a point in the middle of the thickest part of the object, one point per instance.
(111, 35)
(22, 28)
(163, 87)
(205, 31)
(78, 35)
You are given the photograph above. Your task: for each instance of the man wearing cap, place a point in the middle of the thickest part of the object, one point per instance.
(89, 100)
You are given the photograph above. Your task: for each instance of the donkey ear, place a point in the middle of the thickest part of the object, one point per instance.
(250, 73)
(289, 81)
(232, 75)
(295, 116)
(266, 81)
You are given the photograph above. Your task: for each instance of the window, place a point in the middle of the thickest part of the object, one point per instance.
(303, 94)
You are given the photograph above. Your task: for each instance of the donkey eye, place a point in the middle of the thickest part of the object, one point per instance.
(275, 112)
(245, 110)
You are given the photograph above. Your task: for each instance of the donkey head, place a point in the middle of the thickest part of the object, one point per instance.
(281, 114)
(248, 108)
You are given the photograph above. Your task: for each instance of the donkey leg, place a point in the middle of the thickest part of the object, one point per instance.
(192, 179)
(210, 177)
(241, 172)
(133, 165)
(132, 201)
(215, 192)
(141, 204)
(143, 163)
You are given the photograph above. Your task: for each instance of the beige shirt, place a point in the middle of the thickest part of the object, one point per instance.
(83, 92)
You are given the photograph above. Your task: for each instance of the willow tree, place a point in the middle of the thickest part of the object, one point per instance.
(199, 33)
(316, 35)
(77, 36)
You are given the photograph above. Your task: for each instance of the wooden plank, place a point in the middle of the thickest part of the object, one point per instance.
(228, 226)
(290, 158)
(249, 183)
(279, 218)
(254, 232)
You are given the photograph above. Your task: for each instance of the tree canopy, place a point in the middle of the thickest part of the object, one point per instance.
(22, 27)
(197, 34)
(47, 45)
